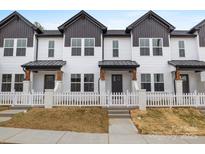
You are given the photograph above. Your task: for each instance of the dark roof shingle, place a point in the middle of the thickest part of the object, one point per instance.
(118, 64)
(116, 33)
(182, 33)
(45, 63)
(51, 33)
(187, 63)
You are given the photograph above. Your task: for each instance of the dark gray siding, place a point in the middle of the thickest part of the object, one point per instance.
(83, 28)
(202, 36)
(17, 29)
(150, 28)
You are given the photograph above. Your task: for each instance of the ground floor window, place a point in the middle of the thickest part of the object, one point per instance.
(146, 82)
(158, 82)
(75, 82)
(6, 82)
(18, 85)
(88, 82)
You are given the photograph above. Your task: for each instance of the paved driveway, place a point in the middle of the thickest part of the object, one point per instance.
(121, 131)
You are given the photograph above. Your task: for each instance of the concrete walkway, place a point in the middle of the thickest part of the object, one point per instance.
(121, 131)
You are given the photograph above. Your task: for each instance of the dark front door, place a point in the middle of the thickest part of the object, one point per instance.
(49, 82)
(185, 83)
(116, 83)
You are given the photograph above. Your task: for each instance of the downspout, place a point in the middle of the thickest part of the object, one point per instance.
(36, 48)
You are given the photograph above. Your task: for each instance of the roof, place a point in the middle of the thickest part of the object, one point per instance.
(197, 27)
(77, 16)
(50, 33)
(118, 64)
(16, 14)
(116, 33)
(187, 63)
(182, 33)
(44, 64)
(148, 15)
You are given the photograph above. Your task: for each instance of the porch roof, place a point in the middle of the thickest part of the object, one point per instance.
(187, 64)
(44, 64)
(118, 64)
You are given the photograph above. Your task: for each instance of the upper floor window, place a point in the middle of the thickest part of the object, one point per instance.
(157, 47)
(6, 82)
(146, 82)
(115, 48)
(18, 86)
(158, 82)
(21, 47)
(88, 82)
(181, 48)
(144, 47)
(51, 47)
(8, 47)
(76, 46)
(89, 46)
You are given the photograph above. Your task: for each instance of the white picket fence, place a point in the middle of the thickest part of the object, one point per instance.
(137, 99)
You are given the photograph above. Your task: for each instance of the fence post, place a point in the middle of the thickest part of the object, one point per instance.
(48, 99)
(142, 99)
(197, 99)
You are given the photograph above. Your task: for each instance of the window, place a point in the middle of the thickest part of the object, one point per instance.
(51, 46)
(18, 86)
(8, 47)
(146, 82)
(115, 48)
(157, 47)
(6, 82)
(144, 47)
(76, 46)
(75, 82)
(158, 82)
(88, 82)
(181, 49)
(21, 47)
(89, 46)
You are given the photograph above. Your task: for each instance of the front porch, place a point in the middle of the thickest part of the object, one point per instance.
(42, 75)
(118, 76)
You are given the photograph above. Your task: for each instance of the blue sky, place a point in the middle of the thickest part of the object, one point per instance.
(112, 19)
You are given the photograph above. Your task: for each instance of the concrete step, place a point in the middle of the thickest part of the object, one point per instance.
(10, 113)
(118, 111)
(119, 115)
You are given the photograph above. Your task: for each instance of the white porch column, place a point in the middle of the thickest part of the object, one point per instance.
(134, 83)
(178, 82)
(102, 81)
(48, 99)
(58, 82)
(27, 82)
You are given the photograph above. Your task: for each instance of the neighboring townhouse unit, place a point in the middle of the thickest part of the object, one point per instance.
(84, 56)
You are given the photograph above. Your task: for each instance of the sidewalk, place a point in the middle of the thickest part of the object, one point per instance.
(121, 131)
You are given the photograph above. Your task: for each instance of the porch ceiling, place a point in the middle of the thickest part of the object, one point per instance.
(118, 64)
(188, 64)
(44, 64)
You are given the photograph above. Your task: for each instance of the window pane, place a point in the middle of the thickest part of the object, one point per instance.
(21, 52)
(181, 44)
(88, 87)
(76, 51)
(6, 78)
(181, 52)
(9, 43)
(51, 45)
(157, 42)
(89, 78)
(89, 51)
(144, 52)
(76, 42)
(146, 86)
(89, 42)
(145, 78)
(8, 51)
(144, 42)
(75, 78)
(50, 52)
(157, 51)
(158, 86)
(115, 53)
(158, 78)
(21, 43)
(19, 77)
(115, 44)
(18, 87)
(75, 87)
(6, 87)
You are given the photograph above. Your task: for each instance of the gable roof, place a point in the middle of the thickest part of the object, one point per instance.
(150, 14)
(16, 14)
(197, 27)
(77, 16)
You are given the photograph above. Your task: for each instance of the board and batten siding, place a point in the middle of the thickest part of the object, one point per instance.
(202, 36)
(16, 28)
(150, 28)
(83, 27)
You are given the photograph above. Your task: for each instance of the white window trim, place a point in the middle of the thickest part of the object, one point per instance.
(89, 82)
(7, 82)
(51, 48)
(116, 48)
(76, 82)
(146, 82)
(151, 47)
(82, 46)
(182, 48)
(17, 82)
(158, 82)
